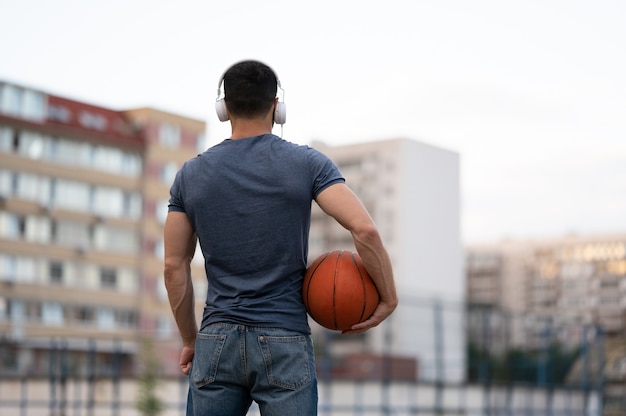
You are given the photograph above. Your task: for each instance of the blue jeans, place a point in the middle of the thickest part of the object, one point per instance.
(236, 364)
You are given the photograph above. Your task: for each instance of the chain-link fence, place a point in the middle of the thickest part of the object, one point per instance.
(432, 358)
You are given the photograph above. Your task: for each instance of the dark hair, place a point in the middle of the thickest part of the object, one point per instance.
(249, 88)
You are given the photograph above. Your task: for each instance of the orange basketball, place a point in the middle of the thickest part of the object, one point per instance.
(337, 290)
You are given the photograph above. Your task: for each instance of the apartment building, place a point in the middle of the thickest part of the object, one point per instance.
(83, 198)
(412, 191)
(558, 285)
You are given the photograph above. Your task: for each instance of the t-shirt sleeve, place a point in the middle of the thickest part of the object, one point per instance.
(324, 171)
(176, 203)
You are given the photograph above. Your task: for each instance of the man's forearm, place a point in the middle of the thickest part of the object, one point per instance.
(377, 263)
(181, 297)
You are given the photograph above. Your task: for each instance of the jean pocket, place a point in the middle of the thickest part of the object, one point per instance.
(287, 360)
(206, 358)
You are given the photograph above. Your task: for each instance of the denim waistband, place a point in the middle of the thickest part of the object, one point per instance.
(241, 327)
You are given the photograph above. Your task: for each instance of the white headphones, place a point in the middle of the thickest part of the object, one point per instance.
(280, 114)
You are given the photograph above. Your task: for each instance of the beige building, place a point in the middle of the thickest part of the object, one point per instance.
(557, 285)
(83, 197)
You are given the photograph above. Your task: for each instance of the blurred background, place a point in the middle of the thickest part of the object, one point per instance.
(486, 138)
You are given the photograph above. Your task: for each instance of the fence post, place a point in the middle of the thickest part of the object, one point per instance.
(543, 363)
(63, 369)
(510, 365)
(585, 369)
(52, 376)
(387, 368)
(115, 378)
(439, 353)
(91, 376)
(23, 395)
(601, 363)
(484, 365)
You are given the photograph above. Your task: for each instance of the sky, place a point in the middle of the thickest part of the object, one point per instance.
(531, 94)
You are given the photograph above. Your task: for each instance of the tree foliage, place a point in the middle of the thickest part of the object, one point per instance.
(546, 367)
(148, 403)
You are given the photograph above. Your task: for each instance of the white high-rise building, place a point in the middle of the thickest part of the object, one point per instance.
(412, 191)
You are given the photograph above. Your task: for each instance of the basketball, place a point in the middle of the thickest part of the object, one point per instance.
(337, 290)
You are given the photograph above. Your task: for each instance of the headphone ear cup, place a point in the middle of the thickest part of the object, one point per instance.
(220, 109)
(280, 114)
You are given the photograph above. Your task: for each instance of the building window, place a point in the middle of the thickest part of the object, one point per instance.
(26, 185)
(107, 159)
(52, 313)
(84, 315)
(59, 113)
(105, 318)
(92, 120)
(106, 201)
(71, 195)
(201, 142)
(168, 172)
(31, 145)
(21, 227)
(9, 227)
(68, 152)
(10, 100)
(21, 102)
(37, 229)
(127, 318)
(164, 327)
(70, 234)
(128, 280)
(55, 272)
(7, 268)
(169, 135)
(116, 239)
(161, 209)
(26, 269)
(33, 105)
(6, 139)
(131, 164)
(131, 204)
(108, 278)
(6, 182)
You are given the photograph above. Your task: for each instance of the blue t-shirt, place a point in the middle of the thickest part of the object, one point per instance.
(249, 202)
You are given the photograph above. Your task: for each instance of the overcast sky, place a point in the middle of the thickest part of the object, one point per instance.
(531, 94)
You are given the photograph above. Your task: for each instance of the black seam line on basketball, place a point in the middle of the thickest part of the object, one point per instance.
(335, 290)
(306, 302)
(362, 287)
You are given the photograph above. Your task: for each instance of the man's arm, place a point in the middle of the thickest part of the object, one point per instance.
(180, 245)
(341, 203)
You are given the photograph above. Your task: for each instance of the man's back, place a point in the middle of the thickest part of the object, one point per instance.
(249, 201)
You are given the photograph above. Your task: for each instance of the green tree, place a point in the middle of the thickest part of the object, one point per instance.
(547, 366)
(148, 403)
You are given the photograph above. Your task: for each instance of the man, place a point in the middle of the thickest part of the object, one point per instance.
(248, 201)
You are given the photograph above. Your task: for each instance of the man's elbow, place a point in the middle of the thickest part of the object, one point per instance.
(172, 269)
(366, 232)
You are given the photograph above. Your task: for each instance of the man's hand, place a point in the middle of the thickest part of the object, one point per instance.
(381, 313)
(186, 357)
